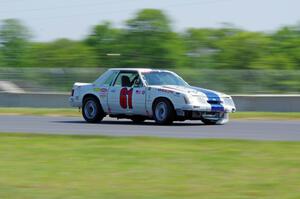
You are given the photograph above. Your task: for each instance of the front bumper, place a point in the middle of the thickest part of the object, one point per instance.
(199, 115)
(208, 108)
(74, 102)
(195, 112)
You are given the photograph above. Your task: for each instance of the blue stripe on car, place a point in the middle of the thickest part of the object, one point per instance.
(212, 96)
(217, 107)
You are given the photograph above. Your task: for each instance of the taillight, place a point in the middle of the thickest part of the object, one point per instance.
(72, 93)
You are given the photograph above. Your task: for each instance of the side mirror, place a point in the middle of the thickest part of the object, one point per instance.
(137, 83)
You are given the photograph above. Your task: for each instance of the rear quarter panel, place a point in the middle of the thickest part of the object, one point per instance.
(99, 92)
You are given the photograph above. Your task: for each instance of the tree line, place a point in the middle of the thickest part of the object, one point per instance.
(148, 40)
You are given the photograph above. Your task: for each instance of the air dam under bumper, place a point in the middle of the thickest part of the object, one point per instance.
(198, 115)
(193, 112)
(207, 108)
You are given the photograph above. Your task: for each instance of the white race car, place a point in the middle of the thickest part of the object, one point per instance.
(140, 94)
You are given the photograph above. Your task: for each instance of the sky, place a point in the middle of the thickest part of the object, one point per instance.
(73, 19)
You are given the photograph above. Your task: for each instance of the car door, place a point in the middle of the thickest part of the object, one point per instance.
(138, 98)
(121, 93)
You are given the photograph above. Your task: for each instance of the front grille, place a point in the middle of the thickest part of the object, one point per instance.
(212, 115)
(213, 101)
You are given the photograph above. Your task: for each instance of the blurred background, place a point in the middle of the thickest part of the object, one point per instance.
(224, 57)
(247, 48)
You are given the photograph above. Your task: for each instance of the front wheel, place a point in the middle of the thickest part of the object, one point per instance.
(92, 111)
(163, 112)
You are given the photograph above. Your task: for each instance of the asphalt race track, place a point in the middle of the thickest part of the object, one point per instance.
(236, 129)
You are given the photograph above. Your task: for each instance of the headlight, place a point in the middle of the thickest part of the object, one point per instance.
(201, 99)
(228, 101)
(194, 99)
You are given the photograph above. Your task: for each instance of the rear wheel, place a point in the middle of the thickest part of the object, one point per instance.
(92, 111)
(163, 111)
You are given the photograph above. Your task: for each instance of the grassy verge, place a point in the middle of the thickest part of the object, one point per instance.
(75, 112)
(41, 111)
(266, 115)
(36, 166)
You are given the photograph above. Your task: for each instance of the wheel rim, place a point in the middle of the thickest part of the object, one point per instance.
(90, 109)
(161, 111)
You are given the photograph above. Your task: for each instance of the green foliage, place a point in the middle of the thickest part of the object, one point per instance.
(13, 42)
(201, 47)
(1, 59)
(277, 60)
(104, 40)
(147, 40)
(62, 52)
(287, 44)
(238, 51)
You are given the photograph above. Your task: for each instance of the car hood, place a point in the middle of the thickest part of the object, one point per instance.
(191, 90)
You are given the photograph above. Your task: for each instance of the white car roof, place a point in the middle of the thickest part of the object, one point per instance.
(138, 69)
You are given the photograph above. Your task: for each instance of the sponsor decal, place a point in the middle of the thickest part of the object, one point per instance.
(174, 91)
(140, 92)
(165, 90)
(126, 98)
(102, 91)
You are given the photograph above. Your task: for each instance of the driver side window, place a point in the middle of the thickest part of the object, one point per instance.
(127, 79)
(137, 82)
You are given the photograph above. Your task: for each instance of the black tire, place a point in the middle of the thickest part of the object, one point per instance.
(92, 111)
(138, 119)
(163, 111)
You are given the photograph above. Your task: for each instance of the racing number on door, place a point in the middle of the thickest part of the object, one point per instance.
(124, 95)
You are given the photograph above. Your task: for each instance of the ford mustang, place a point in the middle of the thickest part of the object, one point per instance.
(141, 94)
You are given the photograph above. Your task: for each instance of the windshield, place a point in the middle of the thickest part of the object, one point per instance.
(163, 78)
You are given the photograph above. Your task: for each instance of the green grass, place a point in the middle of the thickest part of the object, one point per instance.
(37, 166)
(76, 112)
(41, 111)
(266, 115)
